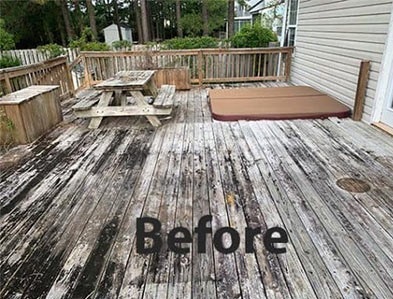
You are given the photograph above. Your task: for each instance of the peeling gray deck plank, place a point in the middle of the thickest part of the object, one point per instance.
(69, 212)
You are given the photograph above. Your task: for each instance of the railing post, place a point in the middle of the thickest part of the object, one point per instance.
(8, 86)
(288, 61)
(86, 71)
(70, 83)
(200, 67)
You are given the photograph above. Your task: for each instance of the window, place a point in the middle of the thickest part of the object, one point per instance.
(292, 23)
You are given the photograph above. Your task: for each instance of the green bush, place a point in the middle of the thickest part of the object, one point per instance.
(85, 43)
(191, 43)
(122, 44)
(89, 46)
(51, 50)
(8, 61)
(6, 38)
(253, 37)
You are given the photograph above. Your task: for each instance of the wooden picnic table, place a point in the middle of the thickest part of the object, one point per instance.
(136, 83)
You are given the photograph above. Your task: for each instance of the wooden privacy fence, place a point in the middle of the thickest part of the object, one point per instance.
(31, 56)
(205, 65)
(51, 72)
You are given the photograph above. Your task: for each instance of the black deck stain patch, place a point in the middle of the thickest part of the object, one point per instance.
(43, 281)
(109, 151)
(91, 273)
(22, 275)
(106, 283)
(34, 212)
(43, 168)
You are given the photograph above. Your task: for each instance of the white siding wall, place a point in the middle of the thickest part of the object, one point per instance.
(333, 36)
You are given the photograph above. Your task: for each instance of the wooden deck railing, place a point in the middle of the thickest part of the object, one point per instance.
(205, 65)
(51, 72)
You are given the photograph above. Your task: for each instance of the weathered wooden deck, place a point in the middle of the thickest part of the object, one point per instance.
(68, 215)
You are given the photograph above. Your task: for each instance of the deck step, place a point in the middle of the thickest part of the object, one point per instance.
(165, 97)
(87, 100)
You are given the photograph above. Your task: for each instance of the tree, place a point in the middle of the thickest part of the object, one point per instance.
(116, 17)
(138, 21)
(272, 13)
(92, 18)
(178, 19)
(145, 21)
(205, 17)
(66, 17)
(78, 16)
(231, 17)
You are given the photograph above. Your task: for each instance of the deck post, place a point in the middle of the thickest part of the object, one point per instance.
(86, 71)
(361, 90)
(200, 67)
(8, 86)
(288, 61)
(69, 80)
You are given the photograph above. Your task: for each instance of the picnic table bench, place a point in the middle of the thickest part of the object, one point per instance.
(138, 84)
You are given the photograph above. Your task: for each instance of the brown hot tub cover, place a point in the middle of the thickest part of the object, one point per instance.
(292, 102)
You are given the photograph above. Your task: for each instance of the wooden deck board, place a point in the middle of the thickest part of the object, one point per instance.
(68, 214)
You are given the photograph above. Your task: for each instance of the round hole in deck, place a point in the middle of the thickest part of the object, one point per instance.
(353, 185)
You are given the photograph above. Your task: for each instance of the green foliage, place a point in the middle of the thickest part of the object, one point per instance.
(253, 37)
(192, 24)
(6, 39)
(85, 43)
(8, 61)
(122, 44)
(52, 50)
(191, 43)
(217, 10)
(7, 131)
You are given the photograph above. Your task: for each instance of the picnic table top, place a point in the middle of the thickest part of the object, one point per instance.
(132, 80)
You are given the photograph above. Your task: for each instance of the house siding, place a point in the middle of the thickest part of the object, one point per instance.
(331, 40)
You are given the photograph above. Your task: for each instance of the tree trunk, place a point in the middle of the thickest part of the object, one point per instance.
(66, 17)
(138, 22)
(231, 18)
(205, 17)
(145, 22)
(116, 15)
(92, 18)
(178, 18)
(79, 17)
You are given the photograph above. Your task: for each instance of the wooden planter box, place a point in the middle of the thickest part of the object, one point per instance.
(32, 111)
(180, 77)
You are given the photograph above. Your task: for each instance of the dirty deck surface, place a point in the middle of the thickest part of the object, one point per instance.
(68, 214)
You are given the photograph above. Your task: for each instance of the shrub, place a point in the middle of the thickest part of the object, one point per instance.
(89, 46)
(51, 50)
(191, 43)
(85, 43)
(6, 38)
(8, 61)
(253, 37)
(122, 44)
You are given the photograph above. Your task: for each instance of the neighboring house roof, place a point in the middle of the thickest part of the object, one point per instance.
(114, 25)
(256, 6)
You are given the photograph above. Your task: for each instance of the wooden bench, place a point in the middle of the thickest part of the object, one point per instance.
(87, 100)
(165, 97)
(32, 111)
